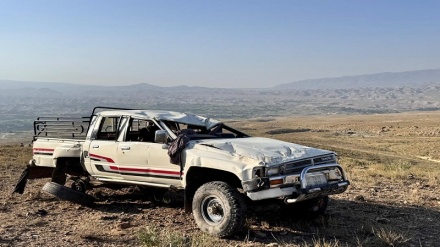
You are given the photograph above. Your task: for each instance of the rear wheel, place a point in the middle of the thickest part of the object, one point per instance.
(59, 174)
(219, 209)
(68, 194)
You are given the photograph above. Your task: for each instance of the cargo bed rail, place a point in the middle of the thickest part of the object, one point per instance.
(61, 127)
(67, 127)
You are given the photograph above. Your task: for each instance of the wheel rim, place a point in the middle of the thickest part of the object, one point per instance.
(79, 186)
(212, 210)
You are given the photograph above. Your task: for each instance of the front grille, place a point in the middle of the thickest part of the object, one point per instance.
(298, 166)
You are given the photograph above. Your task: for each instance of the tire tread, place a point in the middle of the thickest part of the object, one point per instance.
(236, 201)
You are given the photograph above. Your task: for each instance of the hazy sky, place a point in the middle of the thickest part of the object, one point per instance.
(214, 43)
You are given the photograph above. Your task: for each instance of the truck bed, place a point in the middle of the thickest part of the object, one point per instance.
(55, 136)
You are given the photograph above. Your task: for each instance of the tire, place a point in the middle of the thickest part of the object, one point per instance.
(68, 194)
(219, 209)
(59, 174)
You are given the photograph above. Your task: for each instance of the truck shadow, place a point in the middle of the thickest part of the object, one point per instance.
(347, 222)
(133, 199)
(351, 223)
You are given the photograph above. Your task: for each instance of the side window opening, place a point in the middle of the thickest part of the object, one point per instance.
(141, 130)
(109, 128)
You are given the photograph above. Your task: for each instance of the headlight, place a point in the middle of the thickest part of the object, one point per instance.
(334, 174)
(273, 171)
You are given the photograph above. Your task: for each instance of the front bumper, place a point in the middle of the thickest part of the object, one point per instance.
(295, 192)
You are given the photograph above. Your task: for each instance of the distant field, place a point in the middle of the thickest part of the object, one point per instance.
(392, 160)
(24, 137)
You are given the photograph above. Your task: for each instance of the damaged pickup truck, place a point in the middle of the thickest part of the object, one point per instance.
(215, 165)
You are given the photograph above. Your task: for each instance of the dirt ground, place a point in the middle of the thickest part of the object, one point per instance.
(393, 162)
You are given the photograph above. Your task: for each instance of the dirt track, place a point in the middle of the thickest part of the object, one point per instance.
(393, 199)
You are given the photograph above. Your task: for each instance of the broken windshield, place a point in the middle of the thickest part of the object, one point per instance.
(197, 132)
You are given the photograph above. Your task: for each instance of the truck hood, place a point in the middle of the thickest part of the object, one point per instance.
(265, 151)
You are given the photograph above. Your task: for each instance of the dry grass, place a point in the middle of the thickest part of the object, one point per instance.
(152, 236)
(323, 243)
(390, 237)
(13, 154)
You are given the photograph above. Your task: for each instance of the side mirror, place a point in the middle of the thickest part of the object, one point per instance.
(160, 136)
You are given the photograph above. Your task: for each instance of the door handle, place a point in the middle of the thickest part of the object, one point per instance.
(95, 146)
(125, 148)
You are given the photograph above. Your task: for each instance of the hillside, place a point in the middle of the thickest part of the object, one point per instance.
(387, 79)
(22, 102)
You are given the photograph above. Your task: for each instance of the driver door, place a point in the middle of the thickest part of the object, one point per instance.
(141, 159)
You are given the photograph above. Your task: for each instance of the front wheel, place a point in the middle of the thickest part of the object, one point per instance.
(219, 209)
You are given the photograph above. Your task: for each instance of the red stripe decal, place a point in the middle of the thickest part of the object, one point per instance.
(114, 168)
(102, 157)
(146, 170)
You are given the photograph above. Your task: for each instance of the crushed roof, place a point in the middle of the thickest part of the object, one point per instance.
(185, 118)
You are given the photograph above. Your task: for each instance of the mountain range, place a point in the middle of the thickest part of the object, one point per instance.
(382, 80)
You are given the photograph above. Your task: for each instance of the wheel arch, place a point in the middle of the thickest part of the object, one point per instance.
(70, 165)
(197, 176)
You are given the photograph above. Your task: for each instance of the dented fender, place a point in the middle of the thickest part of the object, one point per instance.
(66, 151)
(215, 159)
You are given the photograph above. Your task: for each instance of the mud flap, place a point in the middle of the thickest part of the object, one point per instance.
(22, 181)
(187, 202)
(189, 192)
(31, 172)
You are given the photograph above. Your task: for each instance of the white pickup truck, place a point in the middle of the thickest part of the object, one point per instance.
(216, 166)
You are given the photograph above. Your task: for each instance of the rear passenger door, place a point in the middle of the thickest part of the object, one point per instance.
(103, 147)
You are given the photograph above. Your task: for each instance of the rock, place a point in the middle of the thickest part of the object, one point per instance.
(41, 212)
(124, 225)
(109, 217)
(359, 198)
(125, 219)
